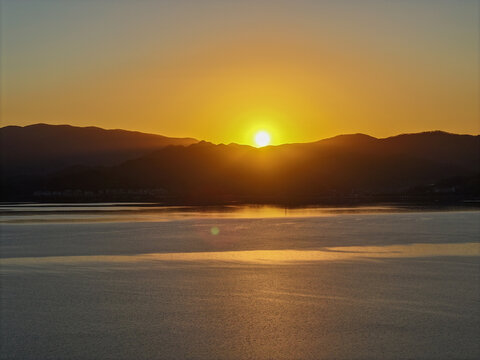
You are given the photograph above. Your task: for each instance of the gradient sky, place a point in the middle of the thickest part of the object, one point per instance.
(220, 70)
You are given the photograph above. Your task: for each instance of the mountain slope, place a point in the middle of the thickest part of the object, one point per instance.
(42, 148)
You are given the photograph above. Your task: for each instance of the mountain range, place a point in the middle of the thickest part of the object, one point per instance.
(78, 163)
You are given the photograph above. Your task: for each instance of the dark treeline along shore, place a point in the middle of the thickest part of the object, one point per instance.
(65, 163)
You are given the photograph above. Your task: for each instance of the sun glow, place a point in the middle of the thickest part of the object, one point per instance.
(262, 138)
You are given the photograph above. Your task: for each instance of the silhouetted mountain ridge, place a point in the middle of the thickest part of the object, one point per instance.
(42, 148)
(339, 166)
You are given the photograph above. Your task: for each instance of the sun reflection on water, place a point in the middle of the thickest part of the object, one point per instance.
(272, 256)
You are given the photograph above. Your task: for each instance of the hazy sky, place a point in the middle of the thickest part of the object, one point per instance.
(220, 70)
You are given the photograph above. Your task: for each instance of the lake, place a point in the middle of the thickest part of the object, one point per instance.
(140, 281)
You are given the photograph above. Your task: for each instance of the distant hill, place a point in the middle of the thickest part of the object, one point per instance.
(43, 149)
(346, 165)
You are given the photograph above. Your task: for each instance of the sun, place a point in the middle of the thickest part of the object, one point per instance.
(262, 138)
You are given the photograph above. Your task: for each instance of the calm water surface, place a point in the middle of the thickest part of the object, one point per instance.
(116, 281)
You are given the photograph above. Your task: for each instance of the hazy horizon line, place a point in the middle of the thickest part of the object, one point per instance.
(236, 143)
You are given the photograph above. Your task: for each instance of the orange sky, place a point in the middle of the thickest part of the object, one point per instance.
(221, 70)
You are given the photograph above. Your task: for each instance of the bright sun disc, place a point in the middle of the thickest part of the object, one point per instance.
(262, 138)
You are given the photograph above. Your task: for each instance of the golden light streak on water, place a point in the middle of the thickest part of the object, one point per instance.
(271, 256)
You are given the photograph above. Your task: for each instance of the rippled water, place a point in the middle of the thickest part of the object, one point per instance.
(127, 282)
